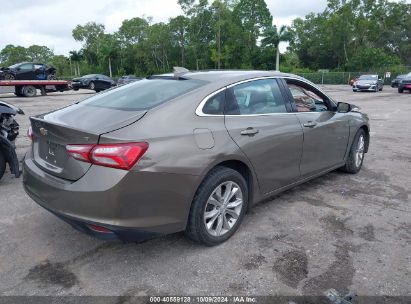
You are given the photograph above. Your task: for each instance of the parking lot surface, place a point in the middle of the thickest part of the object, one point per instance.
(348, 232)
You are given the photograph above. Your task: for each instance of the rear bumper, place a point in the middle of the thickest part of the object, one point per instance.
(406, 86)
(133, 205)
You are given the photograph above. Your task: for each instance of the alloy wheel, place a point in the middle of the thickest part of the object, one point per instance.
(223, 208)
(359, 153)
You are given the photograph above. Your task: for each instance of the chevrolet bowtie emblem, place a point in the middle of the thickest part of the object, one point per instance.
(43, 131)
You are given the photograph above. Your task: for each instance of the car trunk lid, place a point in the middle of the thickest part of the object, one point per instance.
(76, 124)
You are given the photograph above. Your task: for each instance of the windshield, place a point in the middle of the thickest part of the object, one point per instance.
(14, 65)
(89, 76)
(143, 95)
(368, 77)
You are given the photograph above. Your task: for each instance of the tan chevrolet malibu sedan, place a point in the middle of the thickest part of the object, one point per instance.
(190, 151)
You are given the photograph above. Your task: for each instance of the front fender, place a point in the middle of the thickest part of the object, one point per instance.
(9, 152)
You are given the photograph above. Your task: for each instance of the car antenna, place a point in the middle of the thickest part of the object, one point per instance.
(179, 71)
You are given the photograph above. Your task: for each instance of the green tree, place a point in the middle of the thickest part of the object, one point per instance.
(134, 30)
(39, 53)
(255, 18)
(109, 49)
(178, 27)
(90, 34)
(13, 54)
(273, 37)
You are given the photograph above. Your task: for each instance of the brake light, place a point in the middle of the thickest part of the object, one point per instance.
(121, 156)
(80, 152)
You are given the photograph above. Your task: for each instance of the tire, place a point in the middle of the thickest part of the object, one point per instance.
(220, 178)
(381, 89)
(354, 161)
(2, 164)
(400, 90)
(9, 76)
(92, 86)
(51, 77)
(29, 91)
(76, 89)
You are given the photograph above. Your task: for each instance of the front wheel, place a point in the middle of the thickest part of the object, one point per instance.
(218, 207)
(9, 76)
(356, 155)
(2, 164)
(400, 90)
(92, 86)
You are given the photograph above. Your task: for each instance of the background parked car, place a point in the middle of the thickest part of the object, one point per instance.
(405, 84)
(95, 82)
(127, 79)
(395, 83)
(28, 71)
(370, 82)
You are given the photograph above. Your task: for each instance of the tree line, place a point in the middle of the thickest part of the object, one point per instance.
(349, 35)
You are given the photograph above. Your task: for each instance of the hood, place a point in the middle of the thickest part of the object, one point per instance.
(366, 81)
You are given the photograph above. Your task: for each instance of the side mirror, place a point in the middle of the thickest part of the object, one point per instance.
(343, 107)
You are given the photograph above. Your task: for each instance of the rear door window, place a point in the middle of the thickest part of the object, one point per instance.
(215, 104)
(144, 94)
(256, 97)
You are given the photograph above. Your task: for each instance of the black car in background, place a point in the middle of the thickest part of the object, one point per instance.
(405, 84)
(395, 83)
(95, 82)
(127, 79)
(28, 71)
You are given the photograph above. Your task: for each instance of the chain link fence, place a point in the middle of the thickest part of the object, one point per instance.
(324, 77)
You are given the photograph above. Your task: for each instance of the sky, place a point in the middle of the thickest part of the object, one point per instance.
(50, 22)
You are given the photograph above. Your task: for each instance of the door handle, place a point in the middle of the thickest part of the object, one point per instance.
(310, 124)
(249, 132)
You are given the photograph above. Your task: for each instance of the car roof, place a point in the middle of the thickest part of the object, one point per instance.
(229, 76)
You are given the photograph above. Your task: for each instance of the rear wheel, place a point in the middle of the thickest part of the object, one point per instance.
(29, 91)
(356, 155)
(218, 207)
(2, 164)
(400, 90)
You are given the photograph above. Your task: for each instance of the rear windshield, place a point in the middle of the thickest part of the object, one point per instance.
(143, 95)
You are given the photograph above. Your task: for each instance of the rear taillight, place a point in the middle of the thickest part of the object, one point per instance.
(121, 156)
